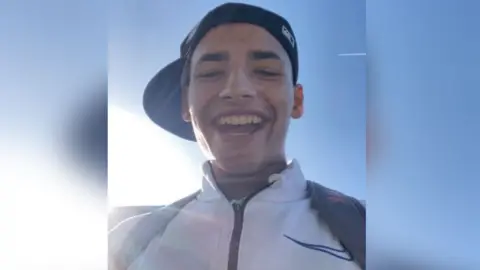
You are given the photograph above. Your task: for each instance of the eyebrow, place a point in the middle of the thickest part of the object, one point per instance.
(263, 55)
(214, 57)
(224, 56)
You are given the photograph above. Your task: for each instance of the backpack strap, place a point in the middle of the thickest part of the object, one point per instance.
(345, 217)
(132, 236)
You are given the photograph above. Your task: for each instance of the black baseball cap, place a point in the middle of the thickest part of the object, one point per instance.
(162, 99)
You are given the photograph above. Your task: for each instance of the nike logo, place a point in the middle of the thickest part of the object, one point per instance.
(342, 254)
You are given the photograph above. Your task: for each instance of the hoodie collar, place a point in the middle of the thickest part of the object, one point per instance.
(289, 185)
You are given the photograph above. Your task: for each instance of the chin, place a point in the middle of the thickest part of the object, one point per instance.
(238, 164)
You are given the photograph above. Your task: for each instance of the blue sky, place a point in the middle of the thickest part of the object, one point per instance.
(423, 73)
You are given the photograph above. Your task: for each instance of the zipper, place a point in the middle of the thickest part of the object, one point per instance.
(239, 211)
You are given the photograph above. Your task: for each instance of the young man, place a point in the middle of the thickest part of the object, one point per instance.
(234, 91)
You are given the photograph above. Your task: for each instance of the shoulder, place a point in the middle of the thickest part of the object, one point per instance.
(122, 242)
(317, 188)
(130, 237)
(127, 239)
(323, 196)
(122, 229)
(142, 221)
(120, 214)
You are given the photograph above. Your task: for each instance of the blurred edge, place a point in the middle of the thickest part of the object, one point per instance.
(86, 137)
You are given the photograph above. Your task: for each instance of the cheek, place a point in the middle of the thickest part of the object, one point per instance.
(197, 119)
(198, 108)
(283, 108)
(282, 101)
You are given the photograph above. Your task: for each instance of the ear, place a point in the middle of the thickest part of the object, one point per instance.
(297, 110)
(185, 112)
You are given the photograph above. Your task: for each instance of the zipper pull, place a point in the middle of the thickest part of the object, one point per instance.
(237, 204)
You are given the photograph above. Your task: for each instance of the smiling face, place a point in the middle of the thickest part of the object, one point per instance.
(240, 97)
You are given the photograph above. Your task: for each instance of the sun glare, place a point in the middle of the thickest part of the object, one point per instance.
(145, 166)
(56, 223)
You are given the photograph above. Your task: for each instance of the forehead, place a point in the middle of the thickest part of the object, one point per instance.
(239, 38)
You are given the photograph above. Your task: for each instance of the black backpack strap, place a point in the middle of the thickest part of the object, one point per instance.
(345, 217)
(130, 238)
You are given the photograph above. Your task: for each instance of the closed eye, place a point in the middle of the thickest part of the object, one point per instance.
(267, 73)
(210, 74)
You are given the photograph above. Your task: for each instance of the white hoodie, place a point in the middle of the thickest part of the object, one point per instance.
(276, 229)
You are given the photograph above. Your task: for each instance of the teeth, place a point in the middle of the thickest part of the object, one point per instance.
(240, 120)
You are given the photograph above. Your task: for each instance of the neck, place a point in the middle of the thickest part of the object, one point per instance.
(237, 186)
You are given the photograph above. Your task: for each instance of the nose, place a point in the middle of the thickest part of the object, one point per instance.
(238, 87)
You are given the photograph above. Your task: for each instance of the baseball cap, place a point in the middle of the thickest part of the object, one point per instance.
(162, 98)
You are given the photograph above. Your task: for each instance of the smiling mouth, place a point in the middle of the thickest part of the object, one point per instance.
(240, 124)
